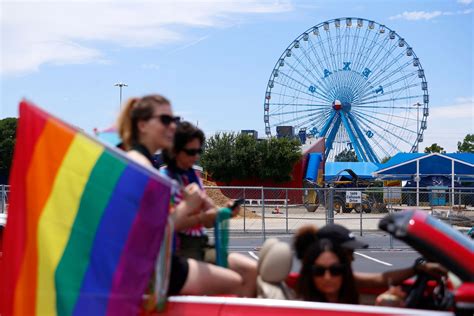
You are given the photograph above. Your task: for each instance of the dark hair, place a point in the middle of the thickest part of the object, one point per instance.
(185, 133)
(305, 287)
(304, 237)
(135, 110)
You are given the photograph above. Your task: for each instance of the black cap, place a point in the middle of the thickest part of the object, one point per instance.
(340, 235)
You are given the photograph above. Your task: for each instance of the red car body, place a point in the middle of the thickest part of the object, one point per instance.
(232, 306)
(432, 238)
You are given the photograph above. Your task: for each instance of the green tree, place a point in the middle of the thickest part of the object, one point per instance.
(346, 155)
(228, 157)
(435, 148)
(218, 156)
(7, 144)
(277, 158)
(467, 145)
(245, 156)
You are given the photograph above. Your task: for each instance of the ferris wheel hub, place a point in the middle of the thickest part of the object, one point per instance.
(338, 105)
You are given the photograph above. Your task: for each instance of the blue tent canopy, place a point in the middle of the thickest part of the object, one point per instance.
(466, 157)
(400, 158)
(404, 166)
(363, 170)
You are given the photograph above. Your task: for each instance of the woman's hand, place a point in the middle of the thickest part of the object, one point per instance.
(235, 210)
(394, 297)
(208, 203)
(432, 268)
(194, 198)
(190, 206)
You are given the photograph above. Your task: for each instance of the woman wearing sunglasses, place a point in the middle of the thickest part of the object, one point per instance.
(193, 242)
(147, 125)
(186, 150)
(326, 275)
(307, 235)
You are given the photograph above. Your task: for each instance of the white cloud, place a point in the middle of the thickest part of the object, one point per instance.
(464, 100)
(151, 66)
(424, 15)
(61, 32)
(197, 41)
(416, 15)
(449, 124)
(465, 1)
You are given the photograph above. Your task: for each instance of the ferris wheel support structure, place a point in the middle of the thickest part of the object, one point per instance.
(354, 82)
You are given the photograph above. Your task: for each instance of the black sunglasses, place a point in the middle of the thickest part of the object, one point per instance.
(166, 119)
(334, 270)
(193, 151)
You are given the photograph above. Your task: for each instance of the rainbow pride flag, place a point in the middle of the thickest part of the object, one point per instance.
(84, 224)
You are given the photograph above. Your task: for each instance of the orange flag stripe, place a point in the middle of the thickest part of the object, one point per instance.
(47, 157)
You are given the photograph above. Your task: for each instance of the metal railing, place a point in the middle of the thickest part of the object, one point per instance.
(4, 191)
(284, 210)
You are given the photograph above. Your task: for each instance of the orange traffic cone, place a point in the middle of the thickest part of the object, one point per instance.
(276, 211)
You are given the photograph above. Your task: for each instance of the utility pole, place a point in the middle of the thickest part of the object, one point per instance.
(120, 85)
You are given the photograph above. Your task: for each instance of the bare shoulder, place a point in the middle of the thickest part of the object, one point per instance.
(139, 158)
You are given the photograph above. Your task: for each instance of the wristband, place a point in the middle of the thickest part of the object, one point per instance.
(417, 264)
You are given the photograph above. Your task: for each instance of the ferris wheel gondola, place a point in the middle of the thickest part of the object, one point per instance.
(355, 82)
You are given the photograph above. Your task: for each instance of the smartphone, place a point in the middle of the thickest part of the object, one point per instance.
(237, 203)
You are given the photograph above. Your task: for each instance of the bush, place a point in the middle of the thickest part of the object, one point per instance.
(228, 157)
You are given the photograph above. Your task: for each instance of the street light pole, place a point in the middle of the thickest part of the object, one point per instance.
(120, 85)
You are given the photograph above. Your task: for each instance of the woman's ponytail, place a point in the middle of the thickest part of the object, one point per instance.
(125, 124)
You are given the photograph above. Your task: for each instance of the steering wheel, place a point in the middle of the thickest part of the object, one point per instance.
(415, 293)
(441, 299)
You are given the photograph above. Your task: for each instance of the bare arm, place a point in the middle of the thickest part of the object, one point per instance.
(204, 212)
(207, 215)
(186, 213)
(383, 279)
(396, 277)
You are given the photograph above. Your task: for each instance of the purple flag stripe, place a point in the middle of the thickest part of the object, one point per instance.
(141, 249)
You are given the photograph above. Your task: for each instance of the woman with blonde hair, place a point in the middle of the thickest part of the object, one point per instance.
(147, 125)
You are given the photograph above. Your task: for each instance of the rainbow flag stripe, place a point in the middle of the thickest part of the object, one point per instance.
(84, 225)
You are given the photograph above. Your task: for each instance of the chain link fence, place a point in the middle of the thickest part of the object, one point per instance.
(284, 210)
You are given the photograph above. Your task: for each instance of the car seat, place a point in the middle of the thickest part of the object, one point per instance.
(274, 265)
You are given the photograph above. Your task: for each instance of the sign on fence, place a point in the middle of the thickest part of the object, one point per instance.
(353, 197)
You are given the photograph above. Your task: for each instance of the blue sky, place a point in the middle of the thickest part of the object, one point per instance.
(213, 59)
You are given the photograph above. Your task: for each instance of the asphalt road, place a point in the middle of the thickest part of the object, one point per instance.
(378, 257)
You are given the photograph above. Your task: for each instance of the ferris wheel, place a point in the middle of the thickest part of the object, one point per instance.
(353, 81)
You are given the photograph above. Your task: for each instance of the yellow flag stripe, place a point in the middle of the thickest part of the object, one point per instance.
(58, 217)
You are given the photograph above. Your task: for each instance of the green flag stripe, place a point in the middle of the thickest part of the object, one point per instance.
(75, 259)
